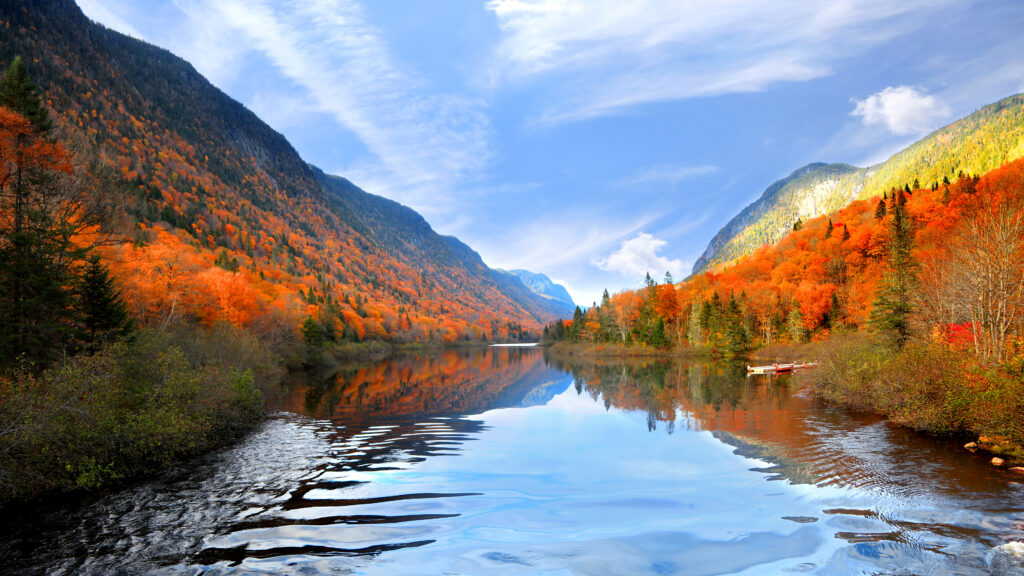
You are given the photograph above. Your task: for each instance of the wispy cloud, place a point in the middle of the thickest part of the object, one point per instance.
(667, 174)
(612, 55)
(99, 11)
(423, 142)
(638, 256)
(903, 110)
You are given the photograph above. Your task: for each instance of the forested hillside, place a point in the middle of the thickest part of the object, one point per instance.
(987, 139)
(227, 222)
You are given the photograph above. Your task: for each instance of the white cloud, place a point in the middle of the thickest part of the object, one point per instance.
(423, 143)
(903, 110)
(639, 256)
(612, 55)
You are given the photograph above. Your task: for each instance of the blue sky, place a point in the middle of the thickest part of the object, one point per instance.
(589, 140)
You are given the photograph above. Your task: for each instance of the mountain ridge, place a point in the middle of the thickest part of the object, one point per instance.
(981, 141)
(205, 173)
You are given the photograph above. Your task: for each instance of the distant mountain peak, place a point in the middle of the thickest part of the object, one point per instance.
(543, 286)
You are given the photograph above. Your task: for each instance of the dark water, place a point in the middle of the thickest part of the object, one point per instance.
(500, 462)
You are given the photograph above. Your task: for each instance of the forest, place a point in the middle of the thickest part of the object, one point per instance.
(914, 300)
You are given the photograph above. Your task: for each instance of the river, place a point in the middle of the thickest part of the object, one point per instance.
(500, 461)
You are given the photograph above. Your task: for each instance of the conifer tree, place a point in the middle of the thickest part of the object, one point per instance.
(37, 280)
(21, 95)
(880, 210)
(103, 313)
(893, 303)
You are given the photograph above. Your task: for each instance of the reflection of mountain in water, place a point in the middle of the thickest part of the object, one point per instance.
(449, 383)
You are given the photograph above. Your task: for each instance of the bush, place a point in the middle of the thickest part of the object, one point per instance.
(130, 409)
(926, 386)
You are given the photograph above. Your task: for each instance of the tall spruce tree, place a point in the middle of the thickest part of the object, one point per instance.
(893, 303)
(103, 313)
(21, 95)
(37, 279)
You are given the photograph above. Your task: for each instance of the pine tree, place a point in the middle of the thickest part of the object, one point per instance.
(893, 305)
(313, 338)
(21, 95)
(103, 313)
(880, 210)
(829, 229)
(668, 278)
(37, 279)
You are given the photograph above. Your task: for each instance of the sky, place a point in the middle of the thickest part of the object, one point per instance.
(591, 140)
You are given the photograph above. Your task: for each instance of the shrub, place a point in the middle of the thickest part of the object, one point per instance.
(129, 409)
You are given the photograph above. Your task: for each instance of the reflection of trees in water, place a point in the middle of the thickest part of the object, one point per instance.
(450, 382)
(662, 388)
(762, 418)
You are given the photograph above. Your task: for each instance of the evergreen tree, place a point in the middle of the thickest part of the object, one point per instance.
(893, 305)
(313, 338)
(37, 280)
(880, 210)
(798, 224)
(668, 278)
(21, 95)
(577, 324)
(829, 229)
(102, 311)
(735, 337)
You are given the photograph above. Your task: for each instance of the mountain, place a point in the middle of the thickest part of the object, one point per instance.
(228, 222)
(541, 285)
(975, 144)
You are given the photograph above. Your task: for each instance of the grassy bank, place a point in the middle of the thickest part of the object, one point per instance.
(131, 409)
(926, 386)
(570, 349)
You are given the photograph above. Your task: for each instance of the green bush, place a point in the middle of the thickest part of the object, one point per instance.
(925, 386)
(130, 409)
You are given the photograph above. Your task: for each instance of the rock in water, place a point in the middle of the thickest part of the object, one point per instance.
(1007, 559)
(1017, 469)
(972, 446)
(998, 461)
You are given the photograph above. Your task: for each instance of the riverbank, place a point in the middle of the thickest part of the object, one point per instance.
(133, 408)
(568, 349)
(927, 387)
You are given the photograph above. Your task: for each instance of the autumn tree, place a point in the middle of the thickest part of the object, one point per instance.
(982, 280)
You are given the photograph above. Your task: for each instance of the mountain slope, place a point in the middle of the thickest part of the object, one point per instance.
(206, 181)
(541, 285)
(986, 139)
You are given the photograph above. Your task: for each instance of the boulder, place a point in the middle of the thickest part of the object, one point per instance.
(972, 446)
(998, 461)
(1017, 469)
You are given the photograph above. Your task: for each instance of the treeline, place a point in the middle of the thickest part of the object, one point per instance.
(877, 265)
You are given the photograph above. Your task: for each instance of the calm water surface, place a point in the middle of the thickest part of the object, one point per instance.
(499, 461)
